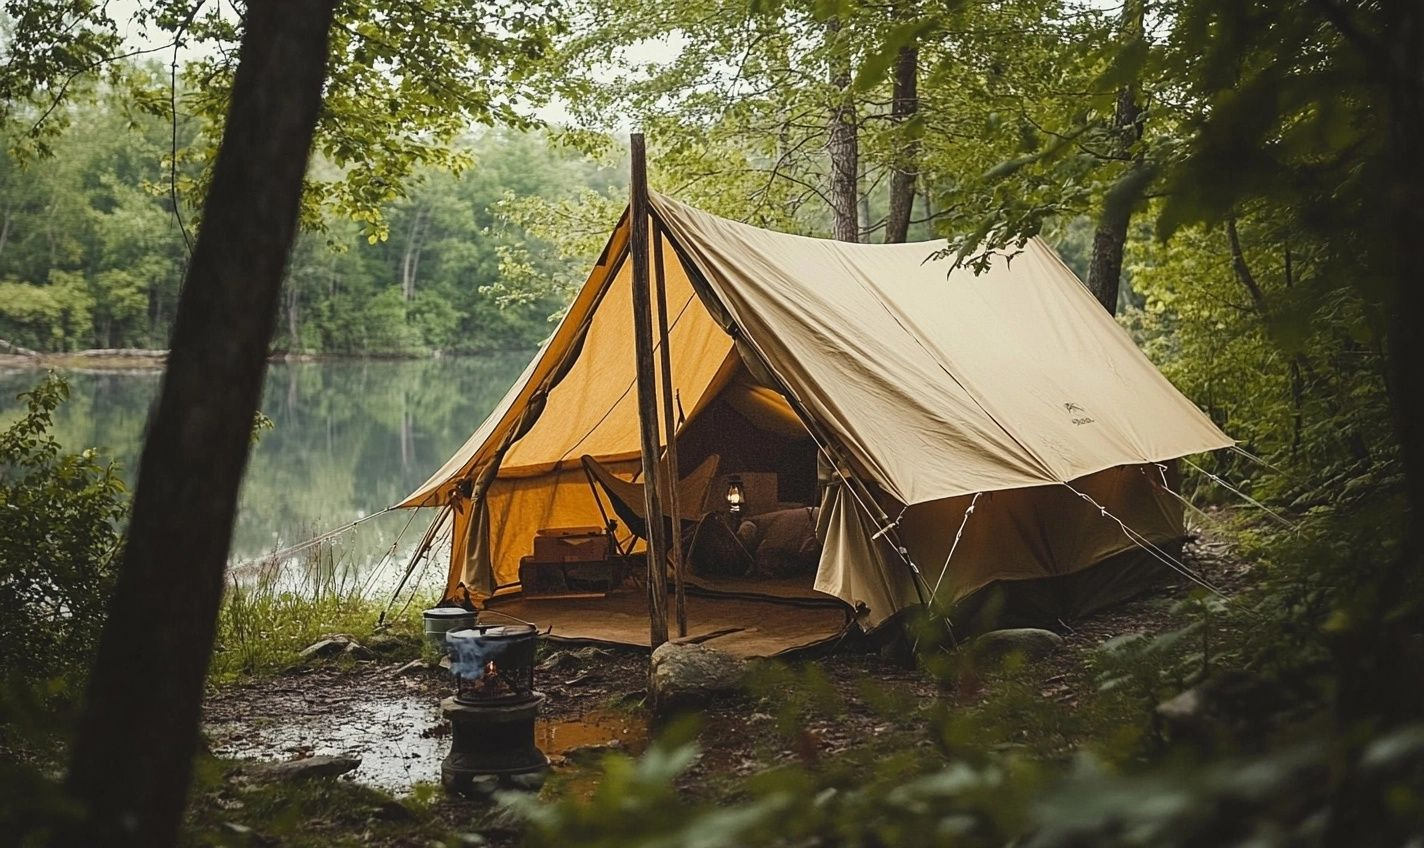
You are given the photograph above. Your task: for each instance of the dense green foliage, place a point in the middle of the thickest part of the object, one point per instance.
(60, 516)
(91, 255)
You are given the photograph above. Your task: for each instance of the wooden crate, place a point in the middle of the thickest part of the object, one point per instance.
(571, 578)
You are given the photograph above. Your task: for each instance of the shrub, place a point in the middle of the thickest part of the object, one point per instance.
(60, 519)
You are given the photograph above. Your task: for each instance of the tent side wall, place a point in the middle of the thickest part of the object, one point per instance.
(1024, 542)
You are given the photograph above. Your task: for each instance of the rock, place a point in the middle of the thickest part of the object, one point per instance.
(393, 810)
(1030, 643)
(304, 769)
(691, 675)
(483, 785)
(412, 667)
(1230, 708)
(558, 660)
(1185, 710)
(385, 643)
(596, 751)
(357, 651)
(471, 840)
(323, 648)
(529, 781)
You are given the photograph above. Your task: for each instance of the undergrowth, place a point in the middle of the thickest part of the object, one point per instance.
(271, 614)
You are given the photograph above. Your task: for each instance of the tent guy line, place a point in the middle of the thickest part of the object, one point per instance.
(1146, 545)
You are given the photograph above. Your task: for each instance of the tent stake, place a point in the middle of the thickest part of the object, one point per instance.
(647, 395)
(670, 433)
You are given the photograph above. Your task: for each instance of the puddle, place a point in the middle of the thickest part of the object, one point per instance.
(595, 727)
(385, 734)
(402, 740)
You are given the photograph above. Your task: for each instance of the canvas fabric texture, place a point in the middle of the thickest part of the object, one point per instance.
(933, 385)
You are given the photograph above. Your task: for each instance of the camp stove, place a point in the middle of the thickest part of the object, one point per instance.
(493, 709)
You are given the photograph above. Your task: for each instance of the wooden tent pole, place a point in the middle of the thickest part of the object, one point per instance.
(647, 395)
(670, 432)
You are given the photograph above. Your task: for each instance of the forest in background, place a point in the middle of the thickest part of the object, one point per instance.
(92, 254)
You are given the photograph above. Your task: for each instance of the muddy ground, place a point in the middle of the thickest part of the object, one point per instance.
(596, 703)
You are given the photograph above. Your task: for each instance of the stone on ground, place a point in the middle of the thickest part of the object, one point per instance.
(412, 667)
(691, 675)
(357, 651)
(1029, 642)
(331, 644)
(386, 643)
(1229, 707)
(303, 769)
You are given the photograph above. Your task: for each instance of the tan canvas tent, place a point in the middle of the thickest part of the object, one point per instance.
(924, 390)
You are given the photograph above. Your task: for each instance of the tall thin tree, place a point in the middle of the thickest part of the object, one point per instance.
(842, 142)
(132, 760)
(1110, 238)
(904, 104)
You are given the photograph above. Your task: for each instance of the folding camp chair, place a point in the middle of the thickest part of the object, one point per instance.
(626, 496)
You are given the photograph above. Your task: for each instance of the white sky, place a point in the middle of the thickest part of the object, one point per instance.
(556, 113)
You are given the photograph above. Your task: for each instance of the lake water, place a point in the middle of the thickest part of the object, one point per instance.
(351, 437)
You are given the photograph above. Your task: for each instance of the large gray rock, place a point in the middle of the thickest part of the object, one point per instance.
(332, 644)
(357, 651)
(691, 675)
(1227, 708)
(303, 769)
(323, 648)
(1030, 643)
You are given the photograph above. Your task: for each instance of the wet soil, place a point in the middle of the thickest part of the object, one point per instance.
(392, 721)
(596, 704)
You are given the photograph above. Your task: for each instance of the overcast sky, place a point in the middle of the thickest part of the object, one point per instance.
(135, 38)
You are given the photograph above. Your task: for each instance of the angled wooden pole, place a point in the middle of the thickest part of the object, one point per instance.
(670, 433)
(647, 395)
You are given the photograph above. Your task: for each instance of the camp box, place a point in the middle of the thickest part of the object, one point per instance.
(571, 544)
(571, 561)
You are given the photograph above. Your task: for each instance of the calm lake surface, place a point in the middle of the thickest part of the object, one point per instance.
(351, 437)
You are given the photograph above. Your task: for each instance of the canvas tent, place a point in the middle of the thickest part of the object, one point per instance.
(923, 389)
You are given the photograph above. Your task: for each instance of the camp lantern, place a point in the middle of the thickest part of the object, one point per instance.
(735, 496)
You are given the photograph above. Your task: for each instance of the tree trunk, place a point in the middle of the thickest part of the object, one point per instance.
(862, 192)
(5, 228)
(294, 324)
(842, 142)
(410, 261)
(132, 759)
(1105, 267)
(904, 104)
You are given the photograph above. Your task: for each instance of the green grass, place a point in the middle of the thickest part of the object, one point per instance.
(267, 618)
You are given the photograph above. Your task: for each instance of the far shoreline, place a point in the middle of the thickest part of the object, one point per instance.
(157, 360)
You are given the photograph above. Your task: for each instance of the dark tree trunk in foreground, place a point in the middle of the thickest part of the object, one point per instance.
(905, 102)
(842, 142)
(133, 757)
(1105, 267)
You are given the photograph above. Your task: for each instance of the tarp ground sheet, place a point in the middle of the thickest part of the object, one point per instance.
(739, 625)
